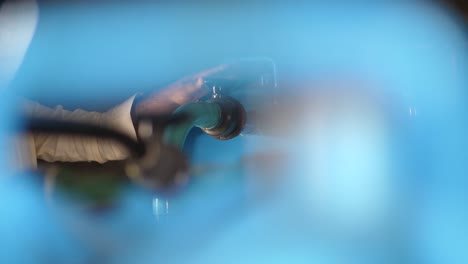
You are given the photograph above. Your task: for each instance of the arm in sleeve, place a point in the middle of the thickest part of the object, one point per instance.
(73, 148)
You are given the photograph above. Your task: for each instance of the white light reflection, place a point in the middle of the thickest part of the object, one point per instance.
(156, 208)
(412, 111)
(160, 208)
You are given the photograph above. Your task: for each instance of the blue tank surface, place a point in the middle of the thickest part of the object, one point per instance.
(361, 156)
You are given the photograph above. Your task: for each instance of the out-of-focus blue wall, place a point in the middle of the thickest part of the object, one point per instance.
(94, 55)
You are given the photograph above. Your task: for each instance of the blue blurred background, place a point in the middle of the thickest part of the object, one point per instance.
(375, 162)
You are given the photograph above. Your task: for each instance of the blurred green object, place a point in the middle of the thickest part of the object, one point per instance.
(205, 115)
(94, 185)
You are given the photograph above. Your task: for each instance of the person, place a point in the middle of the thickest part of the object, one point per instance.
(18, 20)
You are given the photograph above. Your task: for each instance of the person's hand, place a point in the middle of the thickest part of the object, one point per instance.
(186, 90)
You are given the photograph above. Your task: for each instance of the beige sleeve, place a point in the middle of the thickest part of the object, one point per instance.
(73, 148)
